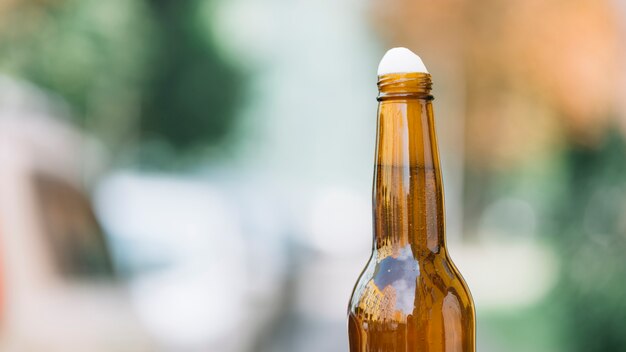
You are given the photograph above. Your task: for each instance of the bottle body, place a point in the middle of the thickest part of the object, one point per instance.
(410, 297)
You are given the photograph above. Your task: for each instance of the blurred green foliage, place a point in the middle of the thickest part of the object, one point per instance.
(579, 194)
(192, 91)
(591, 238)
(94, 54)
(130, 70)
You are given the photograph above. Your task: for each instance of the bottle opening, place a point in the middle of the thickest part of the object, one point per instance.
(415, 85)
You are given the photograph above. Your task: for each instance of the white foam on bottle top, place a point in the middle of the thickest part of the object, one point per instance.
(400, 60)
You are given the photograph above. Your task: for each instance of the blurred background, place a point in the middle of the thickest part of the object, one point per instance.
(196, 175)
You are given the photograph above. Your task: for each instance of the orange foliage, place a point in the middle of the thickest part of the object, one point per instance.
(534, 72)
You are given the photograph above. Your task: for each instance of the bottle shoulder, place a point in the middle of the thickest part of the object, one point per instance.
(411, 305)
(400, 284)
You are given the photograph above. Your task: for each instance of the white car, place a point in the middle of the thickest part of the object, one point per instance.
(58, 291)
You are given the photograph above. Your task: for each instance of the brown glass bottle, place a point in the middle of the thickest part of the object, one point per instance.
(410, 297)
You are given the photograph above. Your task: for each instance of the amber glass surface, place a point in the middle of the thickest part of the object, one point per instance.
(410, 297)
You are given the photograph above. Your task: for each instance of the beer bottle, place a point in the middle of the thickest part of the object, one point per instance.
(410, 296)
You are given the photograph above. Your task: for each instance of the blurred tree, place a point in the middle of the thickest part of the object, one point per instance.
(91, 53)
(193, 92)
(590, 234)
(130, 70)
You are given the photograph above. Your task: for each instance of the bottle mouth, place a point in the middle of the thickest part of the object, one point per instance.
(416, 85)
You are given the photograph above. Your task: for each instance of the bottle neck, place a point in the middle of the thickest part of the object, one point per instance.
(408, 191)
